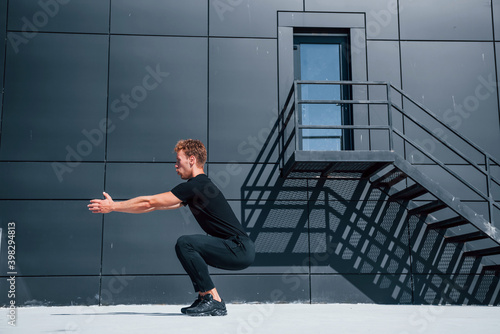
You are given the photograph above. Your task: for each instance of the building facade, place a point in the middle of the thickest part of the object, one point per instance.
(96, 93)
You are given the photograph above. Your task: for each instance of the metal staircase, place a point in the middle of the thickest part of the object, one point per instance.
(412, 139)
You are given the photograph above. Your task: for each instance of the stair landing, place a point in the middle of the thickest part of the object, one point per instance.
(336, 164)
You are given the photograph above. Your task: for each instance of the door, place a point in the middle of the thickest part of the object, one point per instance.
(323, 58)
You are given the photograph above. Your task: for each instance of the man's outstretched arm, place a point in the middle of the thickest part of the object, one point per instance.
(141, 204)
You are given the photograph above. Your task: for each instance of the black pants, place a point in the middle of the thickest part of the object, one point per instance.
(197, 252)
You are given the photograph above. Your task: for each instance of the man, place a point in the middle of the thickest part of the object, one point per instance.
(226, 245)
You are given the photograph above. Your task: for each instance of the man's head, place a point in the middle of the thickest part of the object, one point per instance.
(191, 157)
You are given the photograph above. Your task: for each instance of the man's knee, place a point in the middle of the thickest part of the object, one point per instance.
(183, 243)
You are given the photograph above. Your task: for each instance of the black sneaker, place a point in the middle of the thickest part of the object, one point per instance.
(194, 304)
(208, 306)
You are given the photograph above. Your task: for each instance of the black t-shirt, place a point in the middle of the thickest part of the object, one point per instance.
(209, 207)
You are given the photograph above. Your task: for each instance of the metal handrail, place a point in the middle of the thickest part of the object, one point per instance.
(443, 141)
(488, 197)
(390, 128)
(430, 113)
(486, 155)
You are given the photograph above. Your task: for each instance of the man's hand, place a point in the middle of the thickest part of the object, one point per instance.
(102, 205)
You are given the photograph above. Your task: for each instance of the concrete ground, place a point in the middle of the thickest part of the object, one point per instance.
(255, 318)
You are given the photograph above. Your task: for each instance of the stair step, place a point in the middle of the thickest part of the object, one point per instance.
(448, 223)
(484, 252)
(494, 267)
(390, 178)
(428, 208)
(412, 192)
(467, 237)
(375, 168)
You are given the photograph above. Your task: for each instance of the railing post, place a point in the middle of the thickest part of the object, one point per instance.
(488, 187)
(281, 133)
(296, 120)
(389, 117)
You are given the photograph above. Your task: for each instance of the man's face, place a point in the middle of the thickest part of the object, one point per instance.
(182, 166)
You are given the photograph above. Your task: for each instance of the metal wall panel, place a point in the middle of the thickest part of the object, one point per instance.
(279, 230)
(381, 15)
(321, 20)
(243, 98)
(243, 19)
(3, 36)
(29, 17)
(56, 180)
(495, 5)
(127, 180)
(256, 181)
(463, 95)
(177, 289)
(378, 289)
(384, 61)
(284, 288)
(52, 237)
(53, 291)
(445, 20)
(367, 237)
(157, 95)
(145, 244)
(456, 289)
(55, 98)
(171, 289)
(152, 17)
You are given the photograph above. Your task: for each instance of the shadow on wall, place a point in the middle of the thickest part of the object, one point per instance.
(346, 228)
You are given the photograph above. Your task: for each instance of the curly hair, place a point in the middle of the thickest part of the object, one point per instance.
(193, 147)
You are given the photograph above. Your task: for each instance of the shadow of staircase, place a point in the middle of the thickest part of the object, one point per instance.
(373, 216)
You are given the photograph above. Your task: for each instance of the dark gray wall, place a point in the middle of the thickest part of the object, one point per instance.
(96, 94)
